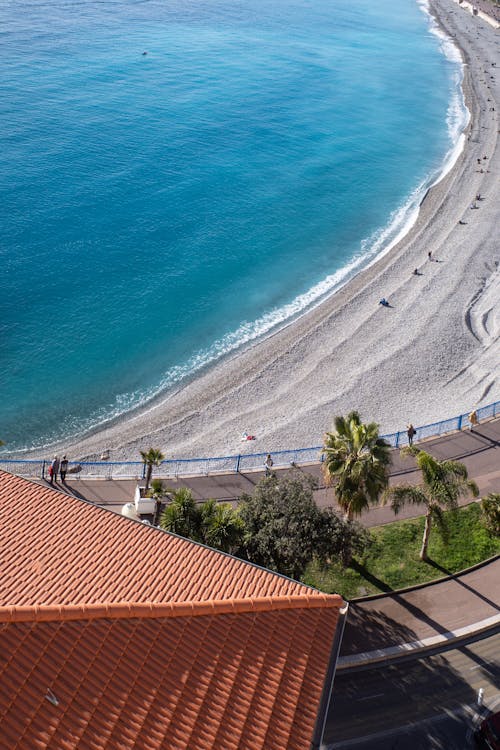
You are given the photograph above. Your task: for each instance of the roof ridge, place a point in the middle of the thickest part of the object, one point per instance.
(150, 610)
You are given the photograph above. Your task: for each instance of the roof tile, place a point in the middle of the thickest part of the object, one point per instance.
(146, 640)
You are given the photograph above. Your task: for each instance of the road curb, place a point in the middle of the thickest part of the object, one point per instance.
(392, 653)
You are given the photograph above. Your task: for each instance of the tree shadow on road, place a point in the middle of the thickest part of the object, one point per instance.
(371, 630)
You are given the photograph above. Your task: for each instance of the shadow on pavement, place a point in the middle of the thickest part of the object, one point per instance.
(461, 582)
(369, 630)
(393, 700)
(486, 668)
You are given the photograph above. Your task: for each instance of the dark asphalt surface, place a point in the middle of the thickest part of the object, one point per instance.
(416, 704)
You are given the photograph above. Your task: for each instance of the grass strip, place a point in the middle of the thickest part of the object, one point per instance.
(391, 560)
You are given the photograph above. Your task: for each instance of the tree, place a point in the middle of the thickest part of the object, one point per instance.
(182, 515)
(285, 530)
(215, 524)
(222, 526)
(158, 492)
(356, 463)
(490, 507)
(339, 539)
(152, 457)
(444, 482)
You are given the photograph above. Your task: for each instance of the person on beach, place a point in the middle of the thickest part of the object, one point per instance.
(54, 469)
(384, 302)
(474, 421)
(63, 469)
(429, 255)
(411, 432)
(268, 464)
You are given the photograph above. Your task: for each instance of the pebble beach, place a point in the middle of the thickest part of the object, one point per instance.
(432, 354)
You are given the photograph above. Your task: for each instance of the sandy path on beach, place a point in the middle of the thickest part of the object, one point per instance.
(433, 354)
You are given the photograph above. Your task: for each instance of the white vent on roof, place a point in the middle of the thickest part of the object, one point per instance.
(51, 697)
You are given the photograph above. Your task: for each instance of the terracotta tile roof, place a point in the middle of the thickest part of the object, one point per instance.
(70, 552)
(117, 635)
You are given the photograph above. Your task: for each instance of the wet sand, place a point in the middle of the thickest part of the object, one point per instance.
(432, 354)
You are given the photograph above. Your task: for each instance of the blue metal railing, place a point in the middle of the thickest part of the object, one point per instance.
(228, 464)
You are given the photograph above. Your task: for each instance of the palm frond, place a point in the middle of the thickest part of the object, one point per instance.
(405, 494)
(410, 450)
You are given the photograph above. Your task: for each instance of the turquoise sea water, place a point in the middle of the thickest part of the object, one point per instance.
(159, 210)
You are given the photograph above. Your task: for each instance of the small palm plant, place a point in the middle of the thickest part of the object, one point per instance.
(158, 492)
(356, 462)
(222, 526)
(490, 510)
(183, 516)
(152, 457)
(444, 482)
(216, 524)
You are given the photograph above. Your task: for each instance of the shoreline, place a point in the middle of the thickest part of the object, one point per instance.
(394, 365)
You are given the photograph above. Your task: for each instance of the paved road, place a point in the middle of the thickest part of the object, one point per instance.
(416, 704)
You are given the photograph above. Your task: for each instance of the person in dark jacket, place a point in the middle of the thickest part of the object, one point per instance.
(63, 468)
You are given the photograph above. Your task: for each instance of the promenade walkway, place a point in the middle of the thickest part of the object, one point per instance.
(423, 617)
(479, 450)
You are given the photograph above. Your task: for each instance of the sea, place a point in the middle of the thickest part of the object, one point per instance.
(180, 178)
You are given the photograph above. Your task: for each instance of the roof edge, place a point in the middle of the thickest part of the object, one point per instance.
(151, 610)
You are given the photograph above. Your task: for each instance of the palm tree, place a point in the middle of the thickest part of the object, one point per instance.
(356, 462)
(490, 511)
(158, 492)
(152, 457)
(182, 516)
(212, 523)
(222, 526)
(444, 482)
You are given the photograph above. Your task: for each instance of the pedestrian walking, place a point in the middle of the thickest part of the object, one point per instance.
(268, 464)
(474, 421)
(54, 469)
(411, 432)
(63, 468)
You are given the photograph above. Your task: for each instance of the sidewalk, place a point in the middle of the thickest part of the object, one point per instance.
(389, 626)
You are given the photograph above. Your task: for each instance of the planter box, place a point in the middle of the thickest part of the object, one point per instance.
(143, 505)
